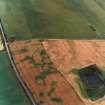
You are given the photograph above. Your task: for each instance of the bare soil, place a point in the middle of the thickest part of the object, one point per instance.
(42, 90)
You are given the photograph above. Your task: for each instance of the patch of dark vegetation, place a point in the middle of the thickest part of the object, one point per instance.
(43, 54)
(92, 28)
(32, 61)
(46, 62)
(56, 99)
(52, 89)
(41, 102)
(44, 74)
(52, 95)
(23, 50)
(41, 94)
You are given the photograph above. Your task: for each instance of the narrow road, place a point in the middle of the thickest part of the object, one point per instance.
(6, 45)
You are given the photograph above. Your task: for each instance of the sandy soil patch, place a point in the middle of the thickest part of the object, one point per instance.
(1, 44)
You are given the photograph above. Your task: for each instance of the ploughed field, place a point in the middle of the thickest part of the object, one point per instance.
(26, 19)
(47, 85)
(71, 55)
(47, 68)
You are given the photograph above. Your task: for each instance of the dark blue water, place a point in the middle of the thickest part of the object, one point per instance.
(94, 80)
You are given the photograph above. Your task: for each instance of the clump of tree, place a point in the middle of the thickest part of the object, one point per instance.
(32, 61)
(50, 70)
(92, 28)
(51, 92)
(57, 99)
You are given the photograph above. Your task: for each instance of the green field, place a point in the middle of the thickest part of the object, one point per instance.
(11, 93)
(26, 19)
(97, 18)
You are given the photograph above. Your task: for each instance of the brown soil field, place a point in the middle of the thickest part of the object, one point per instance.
(73, 54)
(68, 55)
(39, 68)
(46, 65)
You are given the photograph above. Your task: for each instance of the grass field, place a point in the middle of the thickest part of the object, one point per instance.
(11, 93)
(97, 7)
(26, 19)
